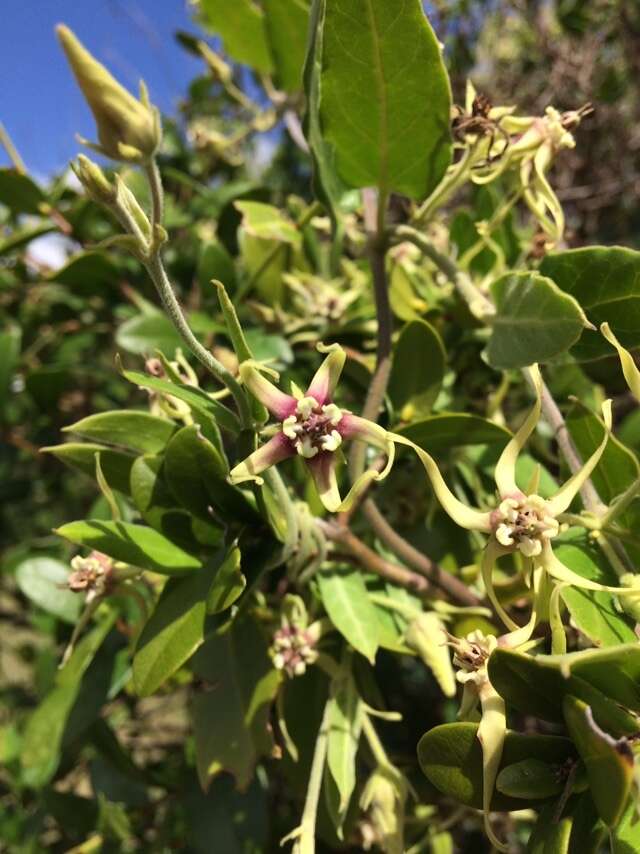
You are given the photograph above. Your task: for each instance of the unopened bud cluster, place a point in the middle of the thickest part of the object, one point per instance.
(292, 649)
(92, 574)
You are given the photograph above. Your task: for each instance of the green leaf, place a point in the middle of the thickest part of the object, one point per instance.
(197, 476)
(609, 763)
(20, 193)
(43, 580)
(42, 738)
(228, 583)
(618, 467)
(21, 236)
(605, 280)
(534, 321)
(206, 412)
(230, 717)
(287, 24)
(450, 755)
(384, 96)
(145, 333)
(418, 370)
(595, 614)
(133, 544)
(241, 26)
(550, 835)
(174, 631)
(345, 715)
(345, 598)
(215, 263)
(537, 686)
(454, 430)
(87, 273)
(129, 428)
(529, 778)
(116, 465)
(614, 671)
(626, 836)
(327, 185)
(9, 353)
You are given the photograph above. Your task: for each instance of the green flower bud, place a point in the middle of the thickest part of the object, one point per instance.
(128, 129)
(383, 798)
(95, 182)
(126, 201)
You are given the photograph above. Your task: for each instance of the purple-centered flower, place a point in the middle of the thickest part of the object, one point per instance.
(313, 427)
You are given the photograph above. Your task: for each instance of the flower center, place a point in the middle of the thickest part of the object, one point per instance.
(312, 428)
(292, 650)
(524, 523)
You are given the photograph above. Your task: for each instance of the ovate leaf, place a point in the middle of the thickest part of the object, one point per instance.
(241, 26)
(418, 370)
(230, 714)
(453, 430)
(345, 715)
(44, 581)
(287, 24)
(133, 544)
(345, 598)
(534, 321)
(133, 429)
(384, 95)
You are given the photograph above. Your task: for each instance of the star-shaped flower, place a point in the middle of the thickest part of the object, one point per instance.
(313, 427)
(523, 521)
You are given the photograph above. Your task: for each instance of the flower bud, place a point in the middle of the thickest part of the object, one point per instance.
(128, 129)
(127, 202)
(427, 636)
(95, 182)
(383, 798)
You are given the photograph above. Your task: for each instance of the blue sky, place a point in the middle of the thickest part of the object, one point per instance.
(39, 103)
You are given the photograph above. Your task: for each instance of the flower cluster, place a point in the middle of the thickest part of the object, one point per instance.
(313, 427)
(92, 574)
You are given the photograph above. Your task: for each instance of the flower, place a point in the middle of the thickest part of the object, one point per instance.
(314, 428)
(128, 129)
(629, 367)
(293, 645)
(523, 522)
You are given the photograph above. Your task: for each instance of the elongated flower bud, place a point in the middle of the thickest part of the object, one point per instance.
(128, 129)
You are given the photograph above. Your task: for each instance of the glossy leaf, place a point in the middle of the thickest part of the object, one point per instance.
(197, 476)
(450, 755)
(116, 465)
(534, 321)
(44, 581)
(605, 280)
(133, 429)
(384, 96)
(45, 727)
(454, 430)
(529, 778)
(241, 27)
(230, 715)
(287, 24)
(133, 544)
(345, 598)
(174, 630)
(595, 614)
(228, 584)
(145, 333)
(609, 763)
(625, 838)
(344, 724)
(418, 370)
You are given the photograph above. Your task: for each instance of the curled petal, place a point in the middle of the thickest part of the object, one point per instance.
(363, 430)
(466, 517)
(278, 448)
(326, 378)
(492, 552)
(506, 467)
(559, 502)
(491, 735)
(280, 405)
(629, 369)
(322, 468)
(560, 572)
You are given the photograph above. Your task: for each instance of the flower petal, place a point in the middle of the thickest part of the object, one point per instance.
(326, 378)
(491, 734)
(323, 472)
(629, 368)
(492, 552)
(560, 572)
(361, 429)
(277, 402)
(278, 448)
(505, 473)
(466, 517)
(559, 502)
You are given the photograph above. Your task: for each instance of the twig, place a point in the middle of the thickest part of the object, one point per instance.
(372, 560)
(448, 583)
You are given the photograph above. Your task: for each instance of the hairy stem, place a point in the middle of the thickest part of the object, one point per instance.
(307, 829)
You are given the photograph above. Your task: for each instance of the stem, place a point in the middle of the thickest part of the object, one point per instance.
(307, 829)
(156, 270)
(622, 503)
(453, 179)
(402, 608)
(448, 583)
(372, 560)
(272, 478)
(12, 151)
(375, 745)
(374, 221)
